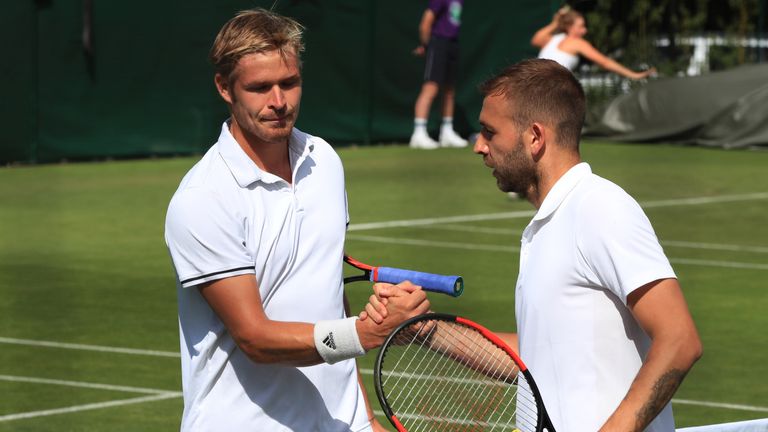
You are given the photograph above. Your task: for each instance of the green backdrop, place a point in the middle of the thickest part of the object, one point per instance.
(143, 86)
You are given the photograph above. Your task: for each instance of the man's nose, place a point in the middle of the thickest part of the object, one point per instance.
(277, 98)
(481, 145)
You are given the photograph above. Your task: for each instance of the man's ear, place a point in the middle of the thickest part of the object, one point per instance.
(537, 140)
(222, 86)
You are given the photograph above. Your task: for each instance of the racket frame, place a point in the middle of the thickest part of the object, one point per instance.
(543, 421)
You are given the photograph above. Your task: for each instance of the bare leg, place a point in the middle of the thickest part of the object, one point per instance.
(449, 93)
(420, 138)
(448, 137)
(427, 95)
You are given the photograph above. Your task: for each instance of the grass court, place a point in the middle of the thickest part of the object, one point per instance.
(88, 326)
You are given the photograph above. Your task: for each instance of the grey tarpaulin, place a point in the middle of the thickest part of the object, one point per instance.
(722, 109)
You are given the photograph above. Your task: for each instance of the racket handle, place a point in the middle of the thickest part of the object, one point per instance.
(451, 285)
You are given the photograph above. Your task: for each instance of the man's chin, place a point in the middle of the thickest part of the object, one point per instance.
(501, 184)
(506, 188)
(281, 133)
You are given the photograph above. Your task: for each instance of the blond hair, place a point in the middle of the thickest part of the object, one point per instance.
(566, 20)
(255, 31)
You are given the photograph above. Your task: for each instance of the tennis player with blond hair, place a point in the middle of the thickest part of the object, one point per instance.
(562, 40)
(256, 235)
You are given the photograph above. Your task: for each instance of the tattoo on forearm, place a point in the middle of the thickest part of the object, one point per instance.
(663, 390)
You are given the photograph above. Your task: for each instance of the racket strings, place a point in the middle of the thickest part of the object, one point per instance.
(471, 395)
(527, 407)
(456, 392)
(481, 408)
(434, 386)
(412, 345)
(448, 377)
(429, 388)
(525, 411)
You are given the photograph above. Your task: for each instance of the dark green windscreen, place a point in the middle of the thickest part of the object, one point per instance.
(143, 85)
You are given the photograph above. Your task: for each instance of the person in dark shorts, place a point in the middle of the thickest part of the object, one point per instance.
(438, 34)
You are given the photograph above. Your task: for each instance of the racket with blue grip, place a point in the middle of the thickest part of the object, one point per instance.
(450, 285)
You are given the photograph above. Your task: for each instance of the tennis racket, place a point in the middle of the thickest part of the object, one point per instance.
(451, 285)
(438, 372)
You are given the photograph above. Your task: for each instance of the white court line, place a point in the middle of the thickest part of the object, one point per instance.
(705, 200)
(83, 347)
(671, 243)
(168, 394)
(86, 407)
(715, 246)
(89, 347)
(448, 245)
(680, 401)
(473, 229)
(433, 221)
(154, 395)
(82, 384)
(721, 405)
(496, 248)
(726, 264)
(530, 213)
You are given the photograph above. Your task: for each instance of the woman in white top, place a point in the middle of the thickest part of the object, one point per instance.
(562, 40)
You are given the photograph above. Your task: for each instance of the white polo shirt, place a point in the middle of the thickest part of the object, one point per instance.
(230, 218)
(587, 248)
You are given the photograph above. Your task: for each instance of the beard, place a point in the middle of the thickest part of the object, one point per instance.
(515, 172)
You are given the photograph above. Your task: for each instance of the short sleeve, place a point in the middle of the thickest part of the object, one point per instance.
(436, 6)
(618, 244)
(205, 238)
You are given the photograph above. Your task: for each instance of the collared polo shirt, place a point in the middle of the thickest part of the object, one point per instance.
(587, 248)
(230, 218)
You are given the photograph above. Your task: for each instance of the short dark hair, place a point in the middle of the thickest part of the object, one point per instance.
(540, 90)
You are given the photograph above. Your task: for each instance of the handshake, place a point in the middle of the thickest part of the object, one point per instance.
(388, 307)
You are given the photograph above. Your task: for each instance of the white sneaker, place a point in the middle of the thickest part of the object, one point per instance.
(449, 138)
(423, 141)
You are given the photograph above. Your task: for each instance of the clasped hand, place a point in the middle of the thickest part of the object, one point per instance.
(389, 306)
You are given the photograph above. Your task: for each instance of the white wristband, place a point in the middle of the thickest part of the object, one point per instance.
(337, 340)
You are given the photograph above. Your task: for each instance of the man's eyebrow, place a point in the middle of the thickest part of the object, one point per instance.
(258, 82)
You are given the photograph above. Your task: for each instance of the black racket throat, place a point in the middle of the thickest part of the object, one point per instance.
(439, 372)
(359, 278)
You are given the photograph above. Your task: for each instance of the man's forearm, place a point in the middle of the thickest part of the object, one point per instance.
(653, 388)
(661, 311)
(641, 405)
(663, 390)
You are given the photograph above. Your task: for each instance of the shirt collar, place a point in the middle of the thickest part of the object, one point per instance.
(245, 171)
(561, 189)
